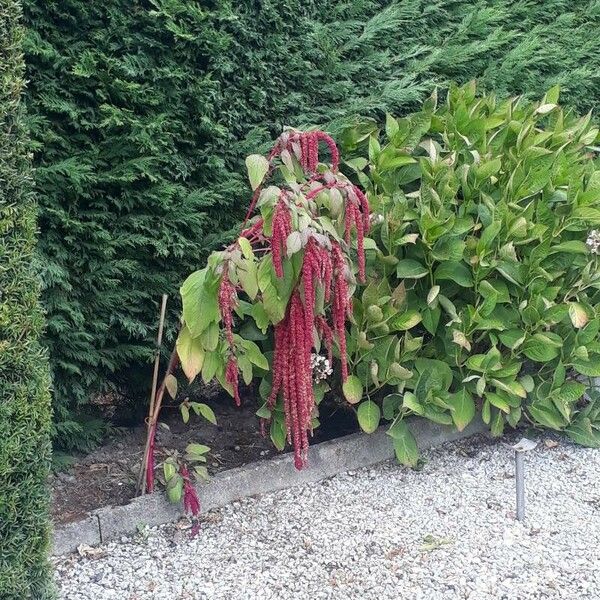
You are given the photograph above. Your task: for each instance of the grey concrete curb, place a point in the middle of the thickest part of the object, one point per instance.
(325, 459)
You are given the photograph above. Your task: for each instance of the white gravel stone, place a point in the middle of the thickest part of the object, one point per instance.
(446, 532)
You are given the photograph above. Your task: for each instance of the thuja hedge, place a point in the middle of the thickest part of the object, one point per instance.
(142, 110)
(24, 395)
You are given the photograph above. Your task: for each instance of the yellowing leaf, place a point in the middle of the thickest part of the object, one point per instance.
(578, 315)
(171, 385)
(258, 167)
(191, 355)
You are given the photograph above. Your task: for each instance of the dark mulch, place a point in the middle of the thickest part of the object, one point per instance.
(108, 475)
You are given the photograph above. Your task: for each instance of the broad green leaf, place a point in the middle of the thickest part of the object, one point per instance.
(498, 401)
(463, 408)
(197, 449)
(254, 354)
(206, 411)
(570, 247)
(590, 367)
(200, 305)
(547, 415)
(391, 403)
(278, 433)
(582, 432)
(454, 271)
(539, 349)
(293, 243)
(247, 276)
(369, 415)
(246, 248)
(185, 412)
(410, 269)
(257, 166)
(405, 445)
(353, 389)
(411, 402)
(404, 321)
(512, 338)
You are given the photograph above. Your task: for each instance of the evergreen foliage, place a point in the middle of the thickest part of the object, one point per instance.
(143, 110)
(24, 395)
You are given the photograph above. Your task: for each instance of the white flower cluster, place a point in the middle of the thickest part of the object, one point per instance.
(376, 219)
(321, 369)
(593, 241)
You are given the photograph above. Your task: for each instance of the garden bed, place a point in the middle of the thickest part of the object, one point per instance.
(108, 475)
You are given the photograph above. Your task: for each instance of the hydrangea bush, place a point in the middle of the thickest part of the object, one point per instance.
(486, 212)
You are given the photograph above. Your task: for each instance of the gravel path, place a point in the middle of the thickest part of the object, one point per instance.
(443, 533)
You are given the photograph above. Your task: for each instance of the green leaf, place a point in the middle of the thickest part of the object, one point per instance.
(209, 338)
(411, 402)
(547, 415)
(570, 247)
(540, 349)
(410, 269)
(353, 389)
(590, 367)
(199, 297)
(247, 274)
(175, 489)
(463, 408)
(391, 403)
(582, 432)
(197, 449)
(512, 338)
(454, 271)
(578, 315)
(498, 402)
(405, 445)
(206, 411)
(404, 321)
(185, 412)
(246, 248)
(278, 433)
(369, 415)
(254, 355)
(257, 166)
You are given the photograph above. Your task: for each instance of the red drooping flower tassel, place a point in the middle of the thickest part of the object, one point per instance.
(341, 305)
(191, 503)
(227, 304)
(282, 227)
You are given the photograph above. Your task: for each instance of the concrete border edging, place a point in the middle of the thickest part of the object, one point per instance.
(325, 460)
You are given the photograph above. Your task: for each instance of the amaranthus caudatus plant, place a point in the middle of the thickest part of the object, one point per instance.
(287, 282)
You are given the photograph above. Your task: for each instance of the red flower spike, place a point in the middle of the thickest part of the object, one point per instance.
(191, 503)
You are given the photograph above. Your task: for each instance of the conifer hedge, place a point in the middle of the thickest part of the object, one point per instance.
(142, 111)
(24, 395)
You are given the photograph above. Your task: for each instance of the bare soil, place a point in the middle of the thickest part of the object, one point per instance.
(108, 475)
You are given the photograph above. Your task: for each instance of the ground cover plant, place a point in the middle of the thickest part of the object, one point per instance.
(24, 377)
(141, 114)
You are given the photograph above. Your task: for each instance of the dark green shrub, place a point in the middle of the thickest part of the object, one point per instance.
(142, 111)
(484, 295)
(24, 395)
